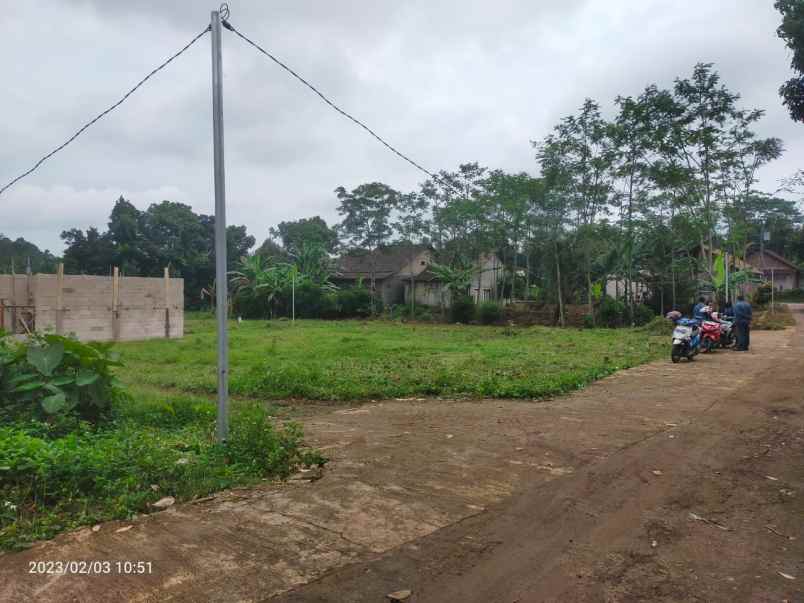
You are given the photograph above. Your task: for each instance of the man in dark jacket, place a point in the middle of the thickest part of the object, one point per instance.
(742, 322)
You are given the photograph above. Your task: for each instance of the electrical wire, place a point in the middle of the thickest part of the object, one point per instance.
(348, 116)
(107, 111)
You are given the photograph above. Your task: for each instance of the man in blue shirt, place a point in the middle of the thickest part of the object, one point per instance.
(742, 322)
(698, 310)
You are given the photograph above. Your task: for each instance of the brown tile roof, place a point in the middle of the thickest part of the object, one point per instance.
(755, 259)
(385, 262)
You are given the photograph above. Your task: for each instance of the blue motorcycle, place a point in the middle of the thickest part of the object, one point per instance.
(686, 337)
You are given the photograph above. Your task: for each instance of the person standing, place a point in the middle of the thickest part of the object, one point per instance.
(742, 321)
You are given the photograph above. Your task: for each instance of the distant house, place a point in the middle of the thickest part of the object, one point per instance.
(774, 268)
(429, 290)
(391, 267)
(401, 269)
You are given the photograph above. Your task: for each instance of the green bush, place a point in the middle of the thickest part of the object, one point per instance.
(312, 302)
(489, 313)
(403, 312)
(612, 312)
(462, 309)
(53, 377)
(355, 302)
(792, 295)
(589, 321)
(49, 484)
(762, 295)
(256, 444)
(643, 314)
(659, 325)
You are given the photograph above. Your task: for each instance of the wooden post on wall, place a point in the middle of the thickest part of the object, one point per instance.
(115, 303)
(167, 302)
(60, 300)
(13, 299)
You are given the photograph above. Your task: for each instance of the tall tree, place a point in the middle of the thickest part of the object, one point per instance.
(792, 32)
(366, 224)
(293, 234)
(126, 235)
(142, 243)
(18, 252)
(87, 253)
(412, 226)
(576, 160)
(459, 214)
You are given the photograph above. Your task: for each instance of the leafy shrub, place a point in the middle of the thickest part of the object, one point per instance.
(762, 295)
(52, 377)
(589, 321)
(255, 442)
(312, 301)
(612, 312)
(659, 325)
(489, 313)
(462, 309)
(402, 312)
(48, 484)
(792, 295)
(355, 302)
(642, 314)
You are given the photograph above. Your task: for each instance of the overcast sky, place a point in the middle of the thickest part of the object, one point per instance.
(447, 81)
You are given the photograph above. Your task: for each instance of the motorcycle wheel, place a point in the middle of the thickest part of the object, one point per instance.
(675, 354)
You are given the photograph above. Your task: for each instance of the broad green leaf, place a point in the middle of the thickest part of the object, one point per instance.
(63, 380)
(46, 359)
(28, 387)
(55, 403)
(86, 377)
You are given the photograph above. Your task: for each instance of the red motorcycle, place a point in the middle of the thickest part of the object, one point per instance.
(710, 335)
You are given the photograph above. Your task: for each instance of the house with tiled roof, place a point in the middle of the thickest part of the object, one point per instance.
(402, 270)
(775, 269)
(389, 268)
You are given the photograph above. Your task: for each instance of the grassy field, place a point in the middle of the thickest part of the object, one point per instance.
(358, 360)
(158, 440)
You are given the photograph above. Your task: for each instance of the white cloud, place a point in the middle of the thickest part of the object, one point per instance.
(446, 81)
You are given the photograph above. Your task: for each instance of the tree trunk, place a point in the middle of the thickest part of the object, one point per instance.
(558, 287)
(527, 274)
(590, 301)
(673, 280)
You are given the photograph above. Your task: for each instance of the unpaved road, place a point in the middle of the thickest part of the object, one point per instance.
(661, 483)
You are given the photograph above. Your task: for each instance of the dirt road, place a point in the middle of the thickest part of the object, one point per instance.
(711, 509)
(665, 482)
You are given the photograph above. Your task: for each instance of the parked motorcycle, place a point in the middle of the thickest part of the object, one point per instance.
(686, 337)
(710, 335)
(728, 337)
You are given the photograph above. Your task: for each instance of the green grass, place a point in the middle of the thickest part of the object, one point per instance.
(160, 442)
(155, 445)
(358, 360)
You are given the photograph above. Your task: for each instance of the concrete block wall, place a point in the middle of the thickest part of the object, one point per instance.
(144, 310)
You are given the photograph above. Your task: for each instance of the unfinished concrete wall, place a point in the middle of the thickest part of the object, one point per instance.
(94, 308)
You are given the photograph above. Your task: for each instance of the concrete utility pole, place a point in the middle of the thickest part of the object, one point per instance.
(221, 279)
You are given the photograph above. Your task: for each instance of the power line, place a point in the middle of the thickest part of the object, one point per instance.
(323, 97)
(107, 111)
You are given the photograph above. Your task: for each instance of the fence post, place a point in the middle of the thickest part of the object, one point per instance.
(167, 302)
(115, 303)
(60, 299)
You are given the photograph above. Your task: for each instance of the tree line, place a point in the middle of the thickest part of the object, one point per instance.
(643, 196)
